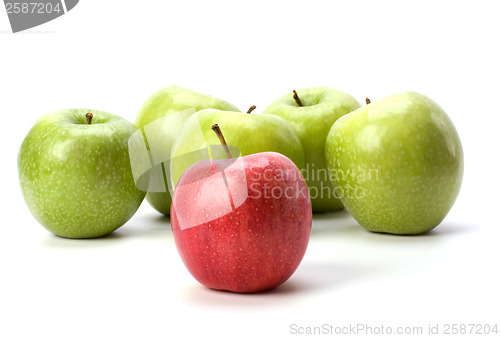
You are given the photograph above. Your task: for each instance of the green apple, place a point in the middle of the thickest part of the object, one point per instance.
(75, 173)
(164, 102)
(248, 133)
(397, 162)
(312, 112)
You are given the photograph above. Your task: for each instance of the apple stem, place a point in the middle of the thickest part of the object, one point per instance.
(368, 101)
(89, 117)
(297, 98)
(251, 109)
(222, 140)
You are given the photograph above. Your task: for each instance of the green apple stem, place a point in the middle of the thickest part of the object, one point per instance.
(368, 101)
(222, 140)
(297, 98)
(251, 109)
(89, 117)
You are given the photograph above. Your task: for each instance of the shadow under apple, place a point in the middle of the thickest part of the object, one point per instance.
(150, 226)
(444, 231)
(341, 222)
(56, 242)
(309, 278)
(200, 295)
(144, 227)
(334, 222)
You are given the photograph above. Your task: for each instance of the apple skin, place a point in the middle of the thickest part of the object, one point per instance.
(76, 178)
(255, 246)
(172, 99)
(249, 133)
(166, 101)
(407, 162)
(312, 122)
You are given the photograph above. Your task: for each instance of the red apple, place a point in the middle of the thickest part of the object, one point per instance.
(242, 224)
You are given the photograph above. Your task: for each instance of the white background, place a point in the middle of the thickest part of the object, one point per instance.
(111, 55)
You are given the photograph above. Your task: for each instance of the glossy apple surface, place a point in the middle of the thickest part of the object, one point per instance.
(75, 177)
(242, 225)
(397, 162)
(167, 101)
(322, 106)
(249, 133)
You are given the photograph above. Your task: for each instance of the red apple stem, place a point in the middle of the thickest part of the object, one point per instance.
(297, 98)
(368, 101)
(222, 140)
(251, 109)
(89, 117)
